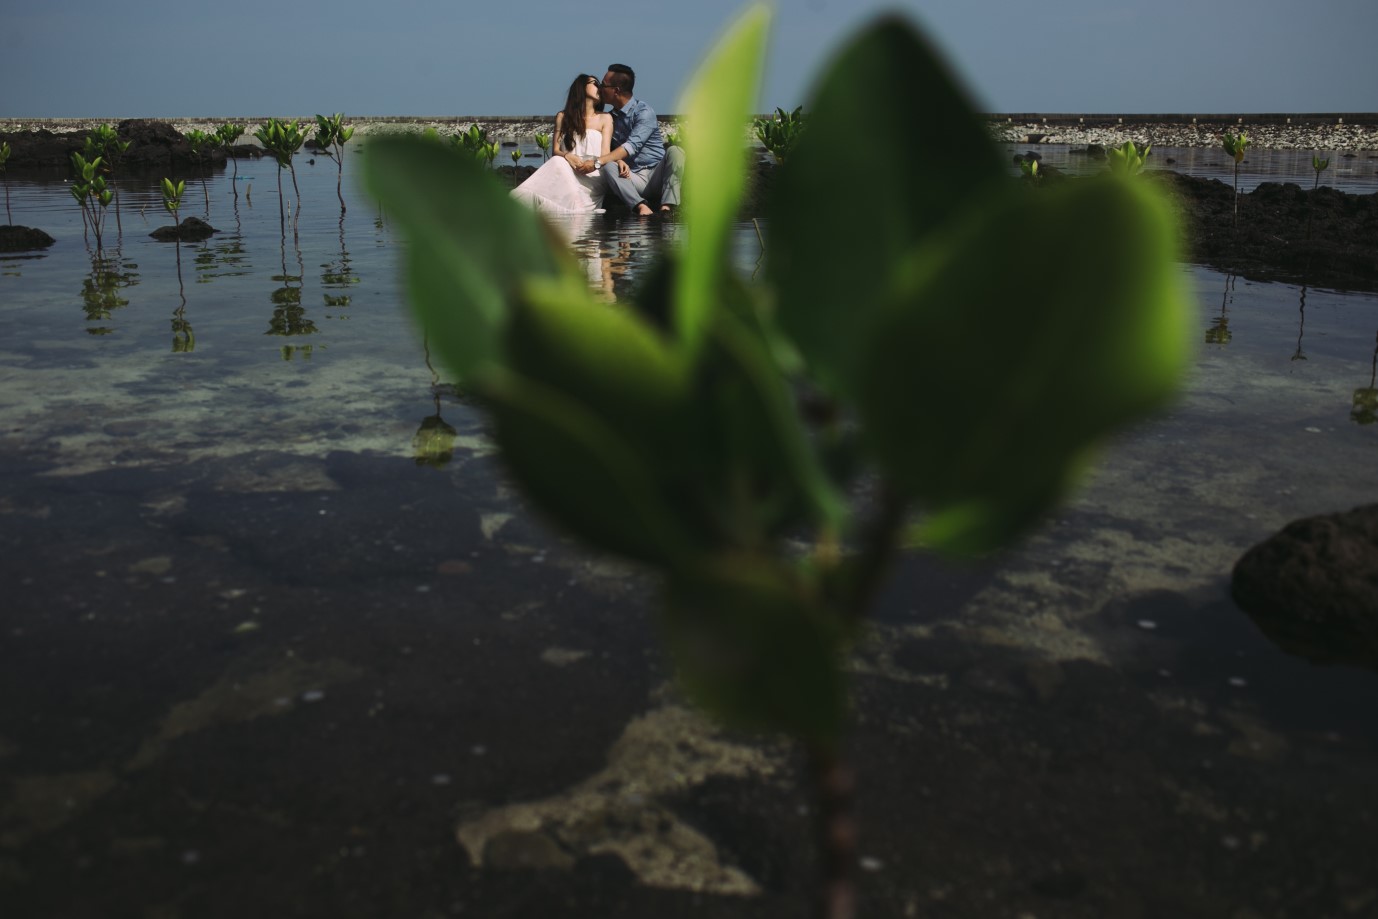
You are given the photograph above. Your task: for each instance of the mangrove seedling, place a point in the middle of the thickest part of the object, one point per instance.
(1235, 145)
(1128, 158)
(4, 157)
(672, 136)
(475, 142)
(1320, 165)
(104, 141)
(89, 189)
(667, 429)
(1028, 169)
(516, 156)
(282, 140)
(779, 133)
(172, 199)
(226, 136)
(183, 338)
(200, 142)
(543, 142)
(331, 137)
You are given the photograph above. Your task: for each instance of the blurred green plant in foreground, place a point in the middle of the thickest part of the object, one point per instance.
(955, 345)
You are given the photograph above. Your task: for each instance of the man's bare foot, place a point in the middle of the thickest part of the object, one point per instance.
(642, 210)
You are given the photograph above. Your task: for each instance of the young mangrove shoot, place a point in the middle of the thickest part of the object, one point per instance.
(226, 136)
(331, 137)
(1235, 145)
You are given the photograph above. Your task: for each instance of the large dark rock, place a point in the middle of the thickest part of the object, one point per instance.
(20, 239)
(1313, 588)
(154, 147)
(191, 230)
(1285, 233)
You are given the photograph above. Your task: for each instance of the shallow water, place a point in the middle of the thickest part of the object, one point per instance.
(262, 651)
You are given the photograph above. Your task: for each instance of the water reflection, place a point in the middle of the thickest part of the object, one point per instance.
(1365, 406)
(289, 316)
(1219, 332)
(101, 289)
(434, 443)
(183, 336)
(1297, 355)
(339, 274)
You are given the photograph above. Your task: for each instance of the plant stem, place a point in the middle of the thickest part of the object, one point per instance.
(1236, 194)
(834, 787)
(339, 175)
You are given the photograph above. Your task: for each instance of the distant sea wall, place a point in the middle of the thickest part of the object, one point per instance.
(1304, 131)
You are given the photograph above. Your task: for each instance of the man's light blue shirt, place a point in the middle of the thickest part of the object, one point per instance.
(635, 127)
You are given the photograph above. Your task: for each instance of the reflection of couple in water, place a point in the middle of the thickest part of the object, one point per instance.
(621, 152)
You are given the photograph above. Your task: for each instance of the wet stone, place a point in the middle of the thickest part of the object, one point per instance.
(514, 849)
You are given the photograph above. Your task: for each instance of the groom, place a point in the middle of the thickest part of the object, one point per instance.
(641, 166)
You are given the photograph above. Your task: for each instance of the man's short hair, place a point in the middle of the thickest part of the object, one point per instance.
(623, 77)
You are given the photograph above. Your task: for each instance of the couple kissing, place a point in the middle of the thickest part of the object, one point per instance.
(597, 153)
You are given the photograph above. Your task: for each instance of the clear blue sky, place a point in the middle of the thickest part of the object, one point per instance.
(158, 58)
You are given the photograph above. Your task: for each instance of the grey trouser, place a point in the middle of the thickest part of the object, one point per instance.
(659, 182)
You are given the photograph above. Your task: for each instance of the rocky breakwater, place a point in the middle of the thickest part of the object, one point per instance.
(1296, 133)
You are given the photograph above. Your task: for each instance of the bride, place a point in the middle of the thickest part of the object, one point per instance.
(570, 182)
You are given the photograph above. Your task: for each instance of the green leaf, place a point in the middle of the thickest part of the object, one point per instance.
(471, 247)
(582, 472)
(984, 393)
(718, 103)
(830, 248)
(752, 646)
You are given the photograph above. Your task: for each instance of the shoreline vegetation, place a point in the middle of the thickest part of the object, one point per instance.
(1322, 131)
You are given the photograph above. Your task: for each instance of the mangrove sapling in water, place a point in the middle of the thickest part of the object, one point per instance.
(1320, 165)
(779, 133)
(282, 140)
(331, 137)
(183, 338)
(89, 189)
(516, 157)
(543, 142)
(201, 142)
(4, 157)
(226, 136)
(668, 432)
(105, 142)
(1128, 158)
(1235, 145)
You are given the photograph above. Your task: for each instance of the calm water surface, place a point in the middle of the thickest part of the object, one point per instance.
(275, 625)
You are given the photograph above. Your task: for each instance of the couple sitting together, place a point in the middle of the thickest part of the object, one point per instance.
(596, 152)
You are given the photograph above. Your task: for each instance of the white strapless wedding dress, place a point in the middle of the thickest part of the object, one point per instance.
(555, 188)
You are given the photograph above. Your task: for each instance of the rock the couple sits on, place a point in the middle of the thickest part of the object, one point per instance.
(596, 153)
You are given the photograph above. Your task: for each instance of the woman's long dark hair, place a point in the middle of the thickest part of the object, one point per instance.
(574, 111)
